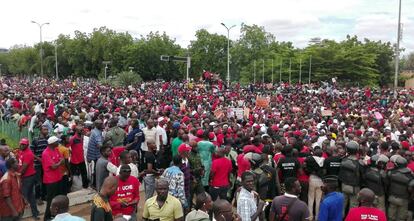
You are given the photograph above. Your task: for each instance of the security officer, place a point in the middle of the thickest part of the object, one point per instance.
(350, 174)
(400, 178)
(375, 178)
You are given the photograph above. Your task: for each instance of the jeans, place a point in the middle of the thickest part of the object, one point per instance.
(28, 184)
(314, 194)
(53, 189)
(40, 189)
(149, 185)
(80, 169)
(216, 192)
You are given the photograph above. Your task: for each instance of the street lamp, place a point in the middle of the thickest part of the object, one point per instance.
(228, 52)
(41, 45)
(397, 50)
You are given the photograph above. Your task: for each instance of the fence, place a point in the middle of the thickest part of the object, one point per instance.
(10, 130)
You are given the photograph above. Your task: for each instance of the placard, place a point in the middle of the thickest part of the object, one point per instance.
(327, 113)
(239, 112)
(262, 102)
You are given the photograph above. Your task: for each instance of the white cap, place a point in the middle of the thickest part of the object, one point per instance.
(388, 128)
(371, 129)
(286, 126)
(160, 119)
(52, 140)
(335, 121)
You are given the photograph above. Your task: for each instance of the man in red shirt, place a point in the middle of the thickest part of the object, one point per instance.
(366, 211)
(126, 197)
(11, 199)
(52, 176)
(28, 175)
(219, 176)
(77, 160)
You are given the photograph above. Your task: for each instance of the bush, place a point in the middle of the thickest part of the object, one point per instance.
(127, 78)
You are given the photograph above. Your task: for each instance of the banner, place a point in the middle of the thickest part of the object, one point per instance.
(327, 113)
(218, 113)
(262, 102)
(238, 112)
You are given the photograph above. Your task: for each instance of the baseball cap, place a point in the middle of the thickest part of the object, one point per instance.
(24, 141)
(52, 140)
(184, 147)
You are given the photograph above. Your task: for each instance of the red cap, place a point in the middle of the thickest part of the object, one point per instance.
(199, 133)
(24, 141)
(184, 147)
(117, 109)
(405, 144)
(275, 127)
(251, 148)
(185, 119)
(211, 135)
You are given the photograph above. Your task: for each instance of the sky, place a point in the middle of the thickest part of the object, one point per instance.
(289, 20)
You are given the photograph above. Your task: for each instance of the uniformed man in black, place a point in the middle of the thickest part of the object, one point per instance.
(375, 178)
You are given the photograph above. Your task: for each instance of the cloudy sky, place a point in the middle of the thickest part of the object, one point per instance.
(288, 20)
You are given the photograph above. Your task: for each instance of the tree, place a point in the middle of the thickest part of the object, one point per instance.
(127, 78)
(408, 62)
(208, 52)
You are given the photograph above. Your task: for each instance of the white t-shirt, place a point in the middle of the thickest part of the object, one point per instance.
(150, 136)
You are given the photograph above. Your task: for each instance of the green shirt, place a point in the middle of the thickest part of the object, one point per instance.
(174, 146)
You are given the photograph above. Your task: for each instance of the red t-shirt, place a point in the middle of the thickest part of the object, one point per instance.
(243, 165)
(114, 156)
(76, 146)
(50, 157)
(26, 156)
(365, 213)
(411, 166)
(221, 168)
(127, 191)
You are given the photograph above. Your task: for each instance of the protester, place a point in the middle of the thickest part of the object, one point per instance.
(366, 210)
(77, 159)
(220, 174)
(163, 206)
(28, 175)
(151, 170)
(126, 198)
(101, 209)
(249, 204)
(103, 166)
(12, 202)
(175, 179)
(202, 207)
(115, 134)
(288, 206)
(38, 145)
(59, 208)
(223, 211)
(94, 146)
(64, 151)
(331, 207)
(52, 177)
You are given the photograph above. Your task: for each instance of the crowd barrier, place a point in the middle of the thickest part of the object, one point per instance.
(10, 131)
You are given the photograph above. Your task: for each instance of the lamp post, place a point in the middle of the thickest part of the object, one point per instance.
(397, 51)
(228, 52)
(56, 63)
(41, 45)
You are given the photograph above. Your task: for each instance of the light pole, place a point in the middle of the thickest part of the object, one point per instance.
(41, 45)
(56, 58)
(397, 51)
(310, 68)
(228, 52)
(0, 70)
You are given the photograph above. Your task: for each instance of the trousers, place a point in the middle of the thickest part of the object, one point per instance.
(53, 189)
(80, 169)
(28, 184)
(350, 197)
(314, 194)
(397, 209)
(149, 185)
(216, 192)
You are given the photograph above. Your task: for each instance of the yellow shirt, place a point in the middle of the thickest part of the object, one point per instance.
(64, 151)
(170, 211)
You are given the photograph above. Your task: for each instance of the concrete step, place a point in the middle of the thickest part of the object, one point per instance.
(75, 198)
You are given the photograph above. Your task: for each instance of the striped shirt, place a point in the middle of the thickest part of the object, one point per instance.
(38, 146)
(95, 140)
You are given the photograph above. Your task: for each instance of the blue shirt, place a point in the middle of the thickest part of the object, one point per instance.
(95, 140)
(331, 207)
(131, 136)
(3, 168)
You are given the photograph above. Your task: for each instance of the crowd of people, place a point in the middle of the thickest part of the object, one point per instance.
(206, 152)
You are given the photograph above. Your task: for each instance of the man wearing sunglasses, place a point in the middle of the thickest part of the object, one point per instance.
(126, 198)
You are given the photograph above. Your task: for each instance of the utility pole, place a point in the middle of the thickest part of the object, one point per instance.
(310, 68)
(56, 59)
(290, 70)
(300, 70)
(280, 71)
(262, 71)
(397, 51)
(272, 71)
(254, 72)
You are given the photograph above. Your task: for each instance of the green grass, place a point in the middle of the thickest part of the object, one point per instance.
(11, 143)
